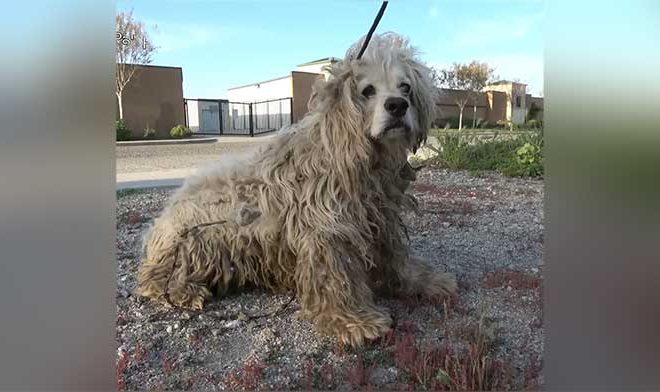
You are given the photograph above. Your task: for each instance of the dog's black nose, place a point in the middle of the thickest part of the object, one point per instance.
(396, 106)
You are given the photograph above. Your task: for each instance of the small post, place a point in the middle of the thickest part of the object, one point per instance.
(291, 110)
(220, 117)
(185, 113)
(251, 122)
(280, 113)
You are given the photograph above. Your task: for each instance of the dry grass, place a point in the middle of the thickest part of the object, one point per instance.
(517, 280)
(247, 378)
(122, 364)
(451, 366)
(358, 374)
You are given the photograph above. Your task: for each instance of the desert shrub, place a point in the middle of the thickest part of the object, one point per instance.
(528, 161)
(123, 133)
(520, 156)
(180, 131)
(149, 133)
(534, 124)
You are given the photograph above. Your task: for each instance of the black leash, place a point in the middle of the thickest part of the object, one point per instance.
(371, 30)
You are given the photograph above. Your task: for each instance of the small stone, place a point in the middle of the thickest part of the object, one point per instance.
(242, 316)
(268, 334)
(169, 329)
(232, 324)
(177, 325)
(382, 376)
(445, 224)
(215, 332)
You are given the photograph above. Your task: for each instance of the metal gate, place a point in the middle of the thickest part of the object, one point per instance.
(222, 117)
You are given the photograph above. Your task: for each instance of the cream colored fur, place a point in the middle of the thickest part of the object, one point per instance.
(317, 211)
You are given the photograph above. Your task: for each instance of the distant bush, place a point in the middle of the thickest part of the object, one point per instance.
(534, 124)
(519, 156)
(452, 123)
(123, 133)
(180, 131)
(149, 133)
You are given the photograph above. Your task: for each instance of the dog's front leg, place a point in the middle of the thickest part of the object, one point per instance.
(335, 295)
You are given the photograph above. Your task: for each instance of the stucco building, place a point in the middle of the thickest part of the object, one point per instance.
(500, 102)
(153, 97)
(297, 85)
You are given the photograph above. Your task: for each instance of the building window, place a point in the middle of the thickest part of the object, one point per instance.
(518, 103)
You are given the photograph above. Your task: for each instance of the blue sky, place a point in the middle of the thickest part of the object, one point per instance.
(225, 43)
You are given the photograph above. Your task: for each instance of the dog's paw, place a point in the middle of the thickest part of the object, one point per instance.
(441, 285)
(356, 333)
(193, 297)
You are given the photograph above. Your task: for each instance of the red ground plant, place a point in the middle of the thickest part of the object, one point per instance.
(517, 280)
(247, 378)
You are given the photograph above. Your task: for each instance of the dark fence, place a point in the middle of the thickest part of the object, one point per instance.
(222, 117)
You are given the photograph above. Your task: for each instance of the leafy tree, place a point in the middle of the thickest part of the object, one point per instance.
(133, 48)
(471, 79)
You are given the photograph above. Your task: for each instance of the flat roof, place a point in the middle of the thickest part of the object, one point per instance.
(256, 83)
(323, 60)
(155, 66)
(319, 61)
(503, 81)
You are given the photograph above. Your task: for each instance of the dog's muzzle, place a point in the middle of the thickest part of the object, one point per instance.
(396, 124)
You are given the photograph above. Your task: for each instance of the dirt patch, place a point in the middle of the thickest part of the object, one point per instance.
(487, 230)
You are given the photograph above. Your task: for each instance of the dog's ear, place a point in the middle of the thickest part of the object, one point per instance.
(335, 99)
(312, 103)
(328, 90)
(424, 98)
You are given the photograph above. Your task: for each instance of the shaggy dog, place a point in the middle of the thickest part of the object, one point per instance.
(317, 211)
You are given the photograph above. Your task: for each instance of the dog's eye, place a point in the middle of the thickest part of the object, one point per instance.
(369, 91)
(405, 88)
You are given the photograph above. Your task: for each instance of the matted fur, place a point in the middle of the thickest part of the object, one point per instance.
(316, 211)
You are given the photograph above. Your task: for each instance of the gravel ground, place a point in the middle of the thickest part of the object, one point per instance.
(132, 159)
(488, 230)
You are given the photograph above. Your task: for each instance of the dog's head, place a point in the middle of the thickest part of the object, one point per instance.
(388, 91)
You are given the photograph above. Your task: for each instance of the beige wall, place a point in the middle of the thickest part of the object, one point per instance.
(513, 91)
(497, 106)
(154, 96)
(302, 90)
(447, 108)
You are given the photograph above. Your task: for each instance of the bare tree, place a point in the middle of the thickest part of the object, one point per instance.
(133, 48)
(471, 79)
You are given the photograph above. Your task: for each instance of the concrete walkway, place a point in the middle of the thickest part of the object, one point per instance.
(199, 139)
(162, 142)
(168, 164)
(156, 178)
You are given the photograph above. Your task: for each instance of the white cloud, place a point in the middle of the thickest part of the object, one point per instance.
(434, 11)
(489, 31)
(170, 37)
